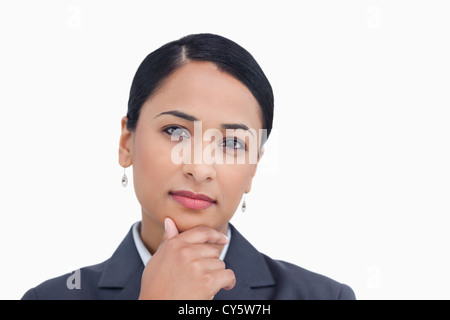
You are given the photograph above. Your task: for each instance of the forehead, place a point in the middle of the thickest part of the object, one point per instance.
(203, 90)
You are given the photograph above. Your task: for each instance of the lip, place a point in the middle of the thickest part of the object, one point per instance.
(191, 200)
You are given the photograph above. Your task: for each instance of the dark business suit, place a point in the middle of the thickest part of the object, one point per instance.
(257, 277)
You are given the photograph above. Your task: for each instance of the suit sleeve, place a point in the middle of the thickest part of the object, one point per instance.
(346, 293)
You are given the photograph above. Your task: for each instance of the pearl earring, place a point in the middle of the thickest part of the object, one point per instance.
(124, 178)
(244, 205)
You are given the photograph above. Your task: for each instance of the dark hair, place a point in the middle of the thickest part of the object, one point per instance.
(227, 55)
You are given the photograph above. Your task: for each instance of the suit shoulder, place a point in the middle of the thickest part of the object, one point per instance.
(79, 284)
(294, 282)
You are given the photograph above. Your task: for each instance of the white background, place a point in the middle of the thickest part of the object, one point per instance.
(355, 184)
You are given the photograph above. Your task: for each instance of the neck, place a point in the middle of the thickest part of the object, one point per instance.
(151, 233)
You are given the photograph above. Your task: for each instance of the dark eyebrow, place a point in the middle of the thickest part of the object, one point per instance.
(235, 126)
(179, 114)
(188, 117)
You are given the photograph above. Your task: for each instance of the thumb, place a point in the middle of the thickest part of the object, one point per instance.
(170, 229)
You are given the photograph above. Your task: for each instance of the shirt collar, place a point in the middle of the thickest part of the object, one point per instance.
(145, 254)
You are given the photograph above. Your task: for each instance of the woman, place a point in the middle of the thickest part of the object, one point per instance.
(199, 112)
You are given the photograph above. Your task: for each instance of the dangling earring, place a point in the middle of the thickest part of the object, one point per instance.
(124, 178)
(244, 205)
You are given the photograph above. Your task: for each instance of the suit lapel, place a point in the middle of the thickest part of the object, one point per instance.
(123, 271)
(250, 269)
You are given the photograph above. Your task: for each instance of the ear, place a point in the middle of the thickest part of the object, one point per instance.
(249, 185)
(125, 145)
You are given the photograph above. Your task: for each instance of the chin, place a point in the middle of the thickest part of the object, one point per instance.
(186, 221)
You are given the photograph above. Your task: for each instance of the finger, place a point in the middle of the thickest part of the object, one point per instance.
(203, 234)
(170, 229)
(225, 279)
(207, 250)
(213, 264)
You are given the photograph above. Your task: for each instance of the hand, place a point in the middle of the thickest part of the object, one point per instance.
(186, 266)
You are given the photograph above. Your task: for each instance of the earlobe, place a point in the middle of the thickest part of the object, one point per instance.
(249, 186)
(261, 153)
(125, 144)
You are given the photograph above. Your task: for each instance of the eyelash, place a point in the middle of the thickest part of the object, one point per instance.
(170, 129)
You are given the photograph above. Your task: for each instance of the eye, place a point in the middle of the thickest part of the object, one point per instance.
(177, 133)
(233, 143)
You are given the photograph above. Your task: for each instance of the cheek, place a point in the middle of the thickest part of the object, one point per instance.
(233, 181)
(152, 167)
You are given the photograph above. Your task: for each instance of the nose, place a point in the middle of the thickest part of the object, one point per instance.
(200, 168)
(199, 172)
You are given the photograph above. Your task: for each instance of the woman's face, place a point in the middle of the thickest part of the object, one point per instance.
(197, 90)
